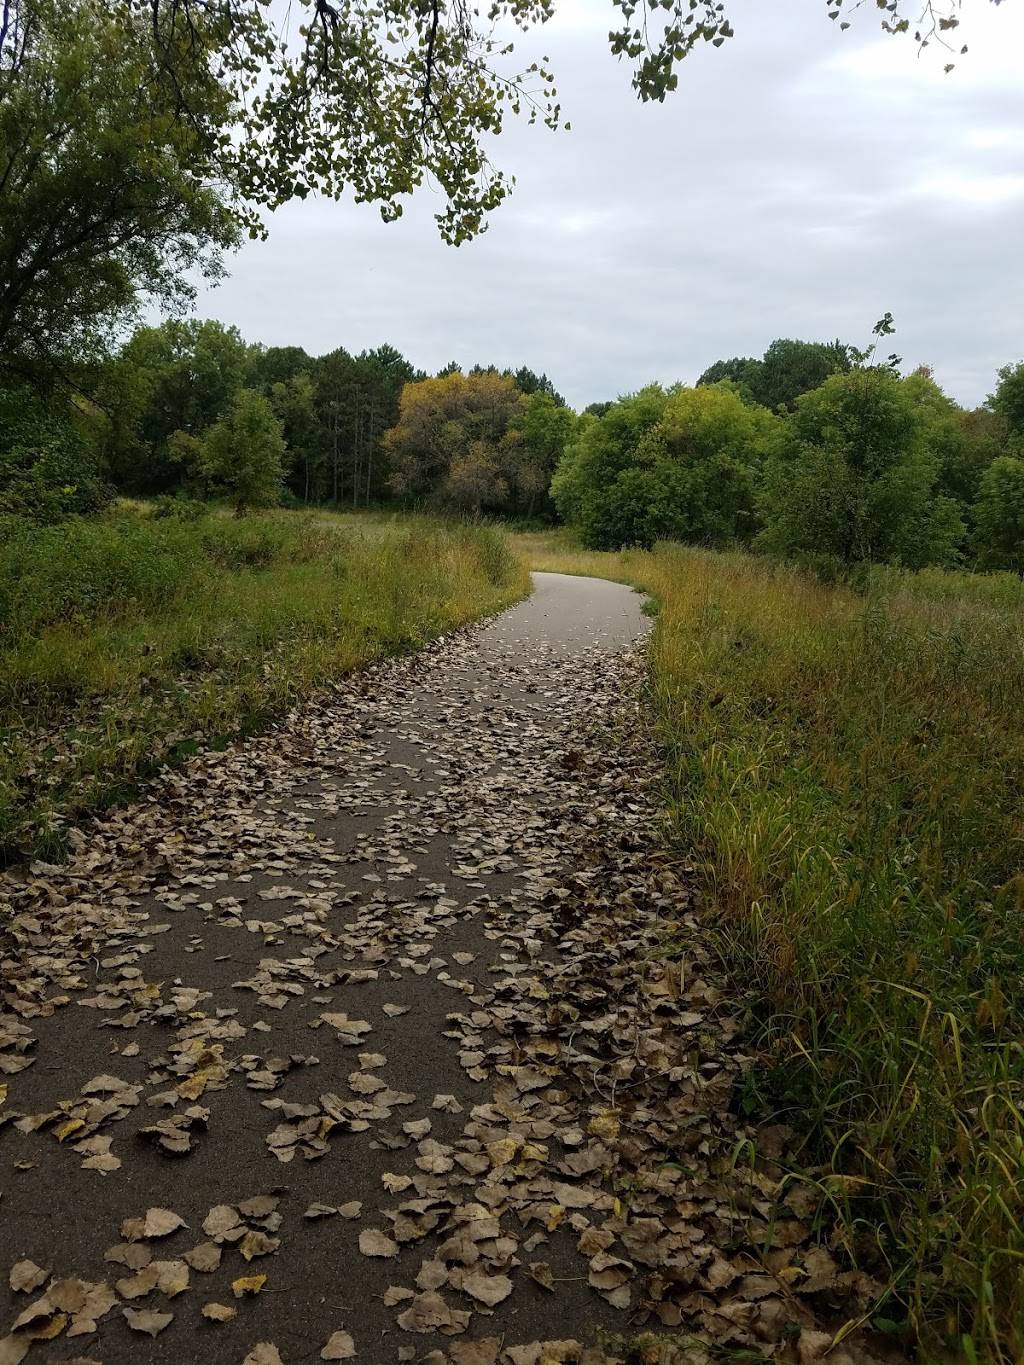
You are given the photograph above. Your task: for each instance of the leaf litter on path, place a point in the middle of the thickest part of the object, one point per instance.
(508, 891)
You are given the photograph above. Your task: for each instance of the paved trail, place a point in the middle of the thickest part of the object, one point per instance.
(373, 1007)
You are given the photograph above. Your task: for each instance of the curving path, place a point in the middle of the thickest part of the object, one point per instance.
(356, 1042)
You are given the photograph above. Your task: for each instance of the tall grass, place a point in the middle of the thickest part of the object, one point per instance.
(847, 767)
(126, 640)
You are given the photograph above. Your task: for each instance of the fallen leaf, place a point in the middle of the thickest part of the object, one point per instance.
(339, 1347)
(372, 1242)
(219, 1312)
(263, 1353)
(145, 1320)
(488, 1289)
(247, 1284)
(26, 1276)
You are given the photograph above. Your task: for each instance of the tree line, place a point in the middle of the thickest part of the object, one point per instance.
(190, 409)
(815, 451)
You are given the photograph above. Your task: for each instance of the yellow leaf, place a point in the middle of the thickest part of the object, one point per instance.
(247, 1284)
(555, 1215)
(503, 1151)
(192, 1088)
(605, 1127)
(47, 1330)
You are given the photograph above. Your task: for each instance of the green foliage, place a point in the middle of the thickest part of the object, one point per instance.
(107, 192)
(356, 400)
(178, 377)
(314, 101)
(48, 470)
(785, 371)
(127, 639)
(739, 371)
(999, 515)
(964, 443)
(243, 455)
(679, 465)
(859, 483)
(1008, 399)
(601, 452)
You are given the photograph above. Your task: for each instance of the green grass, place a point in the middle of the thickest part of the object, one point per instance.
(128, 640)
(847, 768)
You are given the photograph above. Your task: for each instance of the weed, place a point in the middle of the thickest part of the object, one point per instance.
(845, 768)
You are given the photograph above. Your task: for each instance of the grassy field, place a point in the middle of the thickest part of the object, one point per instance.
(848, 767)
(127, 639)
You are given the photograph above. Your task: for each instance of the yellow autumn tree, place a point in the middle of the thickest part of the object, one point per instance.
(454, 440)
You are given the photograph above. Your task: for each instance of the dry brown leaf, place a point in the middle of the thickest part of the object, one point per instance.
(146, 1320)
(339, 1347)
(205, 1257)
(373, 1242)
(219, 1312)
(161, 1223)
(26, 1276)
(488, 1289)
(263, 1353)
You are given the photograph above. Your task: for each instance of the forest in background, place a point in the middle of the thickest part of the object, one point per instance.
(815, 452)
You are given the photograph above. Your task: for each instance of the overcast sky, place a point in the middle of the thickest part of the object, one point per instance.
(800, 182)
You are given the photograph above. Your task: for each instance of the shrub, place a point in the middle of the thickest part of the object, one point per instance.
(858, 481)
(47, 469)
(999, 515)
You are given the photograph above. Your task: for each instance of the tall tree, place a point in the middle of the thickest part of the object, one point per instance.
(679, 465)
(107, 192)
(293, 403)
(859, 482)
(243, 455)
(452, 440)
(180, 376)
(1008, 399)
(999, 515)
(785, 371)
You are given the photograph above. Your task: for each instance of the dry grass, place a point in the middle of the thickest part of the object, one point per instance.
(847, 768)
(126, 641)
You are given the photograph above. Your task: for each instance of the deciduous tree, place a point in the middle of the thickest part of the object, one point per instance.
(999, 515)
(109, 191)
(375, 98)
(243, 455)
(859, 482)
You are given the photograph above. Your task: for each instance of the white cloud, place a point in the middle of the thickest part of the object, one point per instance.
(800, 182)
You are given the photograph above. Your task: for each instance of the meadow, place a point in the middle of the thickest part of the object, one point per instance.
(844, 766)
(130, 639)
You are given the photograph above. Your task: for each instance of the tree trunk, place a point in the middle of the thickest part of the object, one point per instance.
(334, 496)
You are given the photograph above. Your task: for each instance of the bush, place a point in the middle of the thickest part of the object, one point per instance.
(47, 470)
(178, 507)
(858, 482)
(680, 465)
